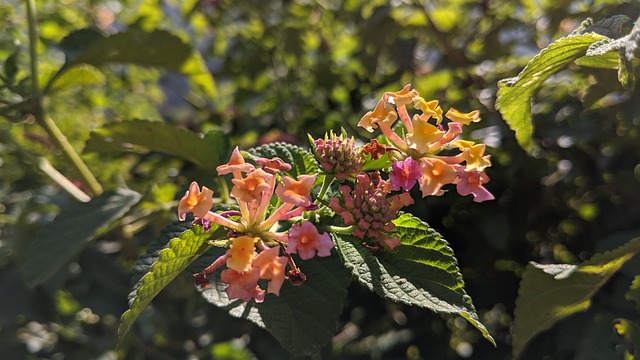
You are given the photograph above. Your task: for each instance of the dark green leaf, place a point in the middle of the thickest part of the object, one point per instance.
(301, 161)
(549, 293)
(634, 291)
(11, 66)
(74, 227)
(157, 48)
(171, 261)
(514, 94)
(630, 333)
(304, 318)
(207, 152)
(421, 272)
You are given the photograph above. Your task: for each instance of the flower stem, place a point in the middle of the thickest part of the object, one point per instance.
(346, 230)
(40, 116)
(325, 185)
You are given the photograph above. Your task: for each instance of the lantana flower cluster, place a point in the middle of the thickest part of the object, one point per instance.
(255, 246)
(417, 150)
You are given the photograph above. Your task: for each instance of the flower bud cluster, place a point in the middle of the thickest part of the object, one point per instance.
(339, 156)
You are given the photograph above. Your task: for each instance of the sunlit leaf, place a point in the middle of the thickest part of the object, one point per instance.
(71, 230)
(78, 76)
(634, 291)
(157, 48)
(207, 152)
(549, 293)
(171, 261)
(421, 272)
(515, 94)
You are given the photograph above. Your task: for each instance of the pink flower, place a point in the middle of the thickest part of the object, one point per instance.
(404, 174)
(243, 285)
(305, 240)
(470, 182)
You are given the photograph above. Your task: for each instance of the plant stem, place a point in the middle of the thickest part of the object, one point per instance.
(44, 120)
(325, 185)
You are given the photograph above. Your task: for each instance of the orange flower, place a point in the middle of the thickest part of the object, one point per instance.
(435, 174)
(429, 109)
(423, 136)
(241, 253)
(296, 192)
(253, 187)
(272, 268)
(235, 164)
(383, 113)
(468, 118)
(473, 154)
(195, 201)
(402, 97)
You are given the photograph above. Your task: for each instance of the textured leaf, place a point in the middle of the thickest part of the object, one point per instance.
(514, 94)
(157, 48)
(207, 152)
(304, 318)
(73, 228)
(634, 291)
(301, 161)
(171, 261)
(549, 293)
(421, 272)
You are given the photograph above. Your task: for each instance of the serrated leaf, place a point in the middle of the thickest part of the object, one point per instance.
(303, 318)
(157, 48)
(301, 161)
(421, 272)
(73, 228)
(549, 293)
(207, 152)
(634, 291)
(515, 94)
(604, 61)
(171, 261)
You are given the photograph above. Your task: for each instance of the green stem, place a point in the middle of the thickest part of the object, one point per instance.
(342, 230)
(45, 121)
(325, 185)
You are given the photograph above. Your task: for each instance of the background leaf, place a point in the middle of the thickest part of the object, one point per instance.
(301, 161)
(514, 94)
(421, 272)
(156, 48)
(171, 261)
(207, 152)
(549, 293)
(73, 228)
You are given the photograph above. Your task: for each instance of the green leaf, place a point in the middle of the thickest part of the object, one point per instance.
(301, 161)
(421, 272)
(630, 333)
(604, 61)
(549, 293)
(634, 291)
(303, 318)
(514, 94)
(207, 152)
(157, 48)
(11, 66)
(171, 261)
(73, 228)
(80, 75)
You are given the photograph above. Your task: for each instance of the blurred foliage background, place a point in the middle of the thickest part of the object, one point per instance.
(284, 68)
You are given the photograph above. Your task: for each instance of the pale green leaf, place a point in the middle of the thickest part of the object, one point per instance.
(206, 152)
(74, 227)
(171, 261)
(515, 94)
(80, 75)
(549, 293)
(422, 272)
(157, 48)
